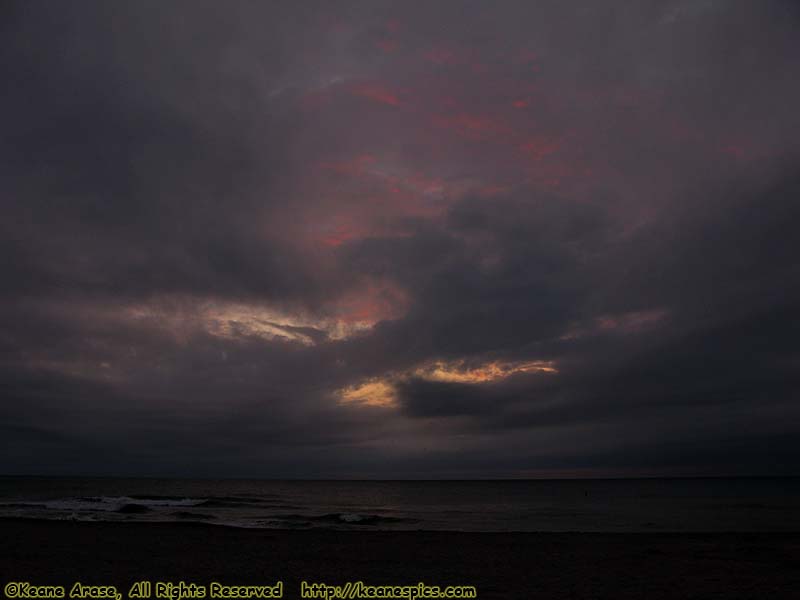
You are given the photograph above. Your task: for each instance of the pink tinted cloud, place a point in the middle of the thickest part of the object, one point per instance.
(376, 92)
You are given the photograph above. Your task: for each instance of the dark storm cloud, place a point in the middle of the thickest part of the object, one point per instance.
(219, 217)
(708, 388)
(138, 150)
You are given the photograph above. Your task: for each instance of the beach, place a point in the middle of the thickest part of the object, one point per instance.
(499, 565)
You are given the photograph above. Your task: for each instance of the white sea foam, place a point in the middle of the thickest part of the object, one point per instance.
(113, 503)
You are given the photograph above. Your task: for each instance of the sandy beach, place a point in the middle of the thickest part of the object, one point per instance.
(499, 565)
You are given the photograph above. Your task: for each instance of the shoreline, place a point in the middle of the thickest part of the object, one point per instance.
(500, 565)
(347, 528)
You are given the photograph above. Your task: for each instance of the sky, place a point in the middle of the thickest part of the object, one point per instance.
(454, 239)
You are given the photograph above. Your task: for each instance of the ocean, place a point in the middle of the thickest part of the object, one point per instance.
(591, 505)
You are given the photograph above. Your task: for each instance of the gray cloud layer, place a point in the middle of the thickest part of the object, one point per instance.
(219, 216)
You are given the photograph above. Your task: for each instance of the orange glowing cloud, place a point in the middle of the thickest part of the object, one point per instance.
(374, 392)
(382, 391)
(459, 372)
(343, 318)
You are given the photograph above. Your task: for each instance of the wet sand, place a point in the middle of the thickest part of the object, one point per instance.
(500, 565)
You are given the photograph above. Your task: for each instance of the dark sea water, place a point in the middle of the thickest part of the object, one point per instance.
(747, 504)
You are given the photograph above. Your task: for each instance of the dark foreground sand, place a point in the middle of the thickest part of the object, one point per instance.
(500, 565)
